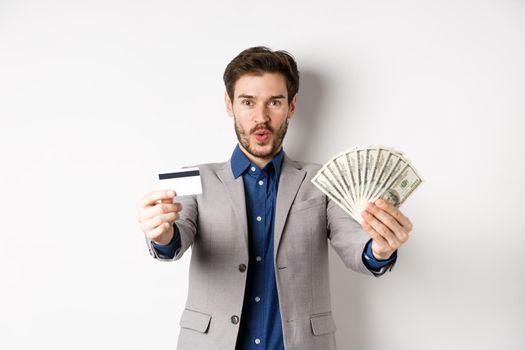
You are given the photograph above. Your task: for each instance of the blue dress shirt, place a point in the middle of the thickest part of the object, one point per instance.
(261, 326)
(261, 317)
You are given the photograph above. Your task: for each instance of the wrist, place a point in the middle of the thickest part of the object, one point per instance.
(164, 239)
(381, 256)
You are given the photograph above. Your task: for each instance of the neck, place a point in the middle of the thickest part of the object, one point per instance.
(259, 161)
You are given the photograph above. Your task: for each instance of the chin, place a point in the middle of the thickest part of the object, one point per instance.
(262, 150)
(266, 146)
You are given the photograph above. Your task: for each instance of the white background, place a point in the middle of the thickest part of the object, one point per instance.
(96, 96)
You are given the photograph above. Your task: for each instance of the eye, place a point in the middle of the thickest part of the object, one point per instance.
(275, 103)
(246, 103)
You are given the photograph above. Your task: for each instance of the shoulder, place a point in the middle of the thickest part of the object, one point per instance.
(205, 168)
(307, 191)
(212, 166)
(211, 172)
(310, 168)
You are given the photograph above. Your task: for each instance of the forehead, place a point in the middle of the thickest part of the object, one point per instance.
(266, 84)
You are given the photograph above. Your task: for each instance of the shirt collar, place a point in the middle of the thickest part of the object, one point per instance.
(240, 162)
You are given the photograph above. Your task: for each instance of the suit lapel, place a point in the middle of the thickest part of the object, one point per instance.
(289, 182)
(235, 190)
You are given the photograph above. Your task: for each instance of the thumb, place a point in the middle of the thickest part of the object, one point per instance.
(169, 200)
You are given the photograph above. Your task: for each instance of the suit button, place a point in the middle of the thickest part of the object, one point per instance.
(242, 267)
(235, 319)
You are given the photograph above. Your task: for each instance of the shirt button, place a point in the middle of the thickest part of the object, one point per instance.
(252, 168)
(261, 182)
(258, 258)
(257, 299)
(235, 319)
(242, 267)
(259, 218)
(257, 341)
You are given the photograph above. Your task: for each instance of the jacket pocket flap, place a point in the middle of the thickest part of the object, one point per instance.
(312, 202)
(195, 320)
(323, 324)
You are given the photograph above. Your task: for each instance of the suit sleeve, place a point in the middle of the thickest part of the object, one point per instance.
(348, 239)
(185, 227)
(168, 251)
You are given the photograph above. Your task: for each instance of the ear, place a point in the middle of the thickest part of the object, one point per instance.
(229, 105)
(291, 107)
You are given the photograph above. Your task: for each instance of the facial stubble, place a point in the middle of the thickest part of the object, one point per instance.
(277, 141)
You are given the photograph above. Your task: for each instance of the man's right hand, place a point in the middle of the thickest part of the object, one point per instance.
(156, 214)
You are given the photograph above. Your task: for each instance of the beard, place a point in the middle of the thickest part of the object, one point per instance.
(276, 139)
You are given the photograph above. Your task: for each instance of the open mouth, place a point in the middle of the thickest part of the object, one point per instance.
(262, 135)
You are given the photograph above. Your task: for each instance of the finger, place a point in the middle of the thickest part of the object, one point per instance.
(380, 247)
(395, 212)
(389, 221)
(158, 231)
(375, 235)
(148, 225)
(159, 209)
(151, 198)
(150, 212)
(380, 228)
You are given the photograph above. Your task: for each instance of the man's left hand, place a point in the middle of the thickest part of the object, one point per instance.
(387, 226)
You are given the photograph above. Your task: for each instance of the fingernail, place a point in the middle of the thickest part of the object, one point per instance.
(170, 193)
(370, 205)
(380, 202)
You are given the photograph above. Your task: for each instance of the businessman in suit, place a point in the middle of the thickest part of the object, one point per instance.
(259, 232)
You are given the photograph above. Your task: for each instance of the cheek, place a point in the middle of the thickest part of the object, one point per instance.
(279, 118)
(245, 116)
(242, 124)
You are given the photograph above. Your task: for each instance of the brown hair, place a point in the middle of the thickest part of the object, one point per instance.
(259, 60)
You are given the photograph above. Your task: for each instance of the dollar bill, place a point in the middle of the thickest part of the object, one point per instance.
(360, 175)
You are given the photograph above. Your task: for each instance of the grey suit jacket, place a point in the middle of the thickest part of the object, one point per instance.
(214, 225)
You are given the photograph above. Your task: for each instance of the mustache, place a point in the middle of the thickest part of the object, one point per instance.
(261, 127)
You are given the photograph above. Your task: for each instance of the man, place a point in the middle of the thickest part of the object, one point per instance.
(259, 232)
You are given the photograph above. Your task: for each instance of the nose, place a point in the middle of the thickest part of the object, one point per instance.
(261, 114)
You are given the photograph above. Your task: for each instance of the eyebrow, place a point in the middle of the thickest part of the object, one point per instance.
(271, 98)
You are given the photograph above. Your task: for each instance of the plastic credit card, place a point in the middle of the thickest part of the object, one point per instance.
(186, 181)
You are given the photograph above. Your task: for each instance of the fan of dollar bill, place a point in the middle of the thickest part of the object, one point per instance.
(364, 174)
